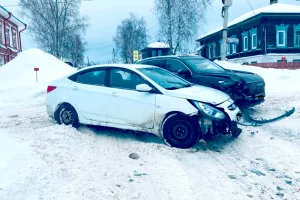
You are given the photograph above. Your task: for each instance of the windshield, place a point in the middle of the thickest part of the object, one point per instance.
(164, 78)
(203, 65)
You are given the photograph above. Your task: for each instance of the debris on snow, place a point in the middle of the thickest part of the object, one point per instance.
(134, 156)
(232, 176)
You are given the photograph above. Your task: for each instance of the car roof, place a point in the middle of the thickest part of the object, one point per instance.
(125, 66)
(174, 56)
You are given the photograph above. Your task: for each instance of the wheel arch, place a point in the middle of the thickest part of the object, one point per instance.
(194, 117)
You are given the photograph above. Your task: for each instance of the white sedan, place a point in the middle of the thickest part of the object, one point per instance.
(142, 98)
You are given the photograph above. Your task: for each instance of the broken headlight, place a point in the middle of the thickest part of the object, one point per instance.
(210, 111)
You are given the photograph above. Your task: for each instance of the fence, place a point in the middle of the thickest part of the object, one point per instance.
(286, 65)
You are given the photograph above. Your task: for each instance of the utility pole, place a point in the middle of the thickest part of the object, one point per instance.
(227, 4)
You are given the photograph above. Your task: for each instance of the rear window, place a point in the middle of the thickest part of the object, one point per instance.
(157, 63)
(96, 77)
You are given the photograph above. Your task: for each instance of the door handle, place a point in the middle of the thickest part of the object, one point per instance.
(75, 88)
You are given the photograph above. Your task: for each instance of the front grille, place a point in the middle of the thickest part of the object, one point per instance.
(256, 88)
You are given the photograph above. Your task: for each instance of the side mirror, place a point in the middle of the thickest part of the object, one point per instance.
(184, 72)
(143, 88)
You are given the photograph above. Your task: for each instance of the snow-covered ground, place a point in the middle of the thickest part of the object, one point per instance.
(42, 160)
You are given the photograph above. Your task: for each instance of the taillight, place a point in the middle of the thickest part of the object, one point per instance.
(50, 88)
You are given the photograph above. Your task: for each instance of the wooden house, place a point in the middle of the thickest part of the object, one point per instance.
(10, 36)
(265, 35)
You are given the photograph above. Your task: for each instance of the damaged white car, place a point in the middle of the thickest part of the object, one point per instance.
(142, 98)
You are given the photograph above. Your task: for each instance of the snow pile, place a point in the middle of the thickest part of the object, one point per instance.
(276, 80)
(274, 8)
(18, 78)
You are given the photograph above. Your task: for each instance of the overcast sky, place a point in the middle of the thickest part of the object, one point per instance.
(105, 15)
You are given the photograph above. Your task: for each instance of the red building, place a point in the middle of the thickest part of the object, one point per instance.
(10, 35)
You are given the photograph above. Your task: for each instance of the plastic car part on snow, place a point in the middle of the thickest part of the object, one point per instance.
(247, 120)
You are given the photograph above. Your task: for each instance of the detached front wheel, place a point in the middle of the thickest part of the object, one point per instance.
(179, 131)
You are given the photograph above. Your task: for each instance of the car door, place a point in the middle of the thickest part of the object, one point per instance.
(175, 66)
(88, 94)
(126, 106)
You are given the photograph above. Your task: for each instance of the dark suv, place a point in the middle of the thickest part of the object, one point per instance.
(245, 88)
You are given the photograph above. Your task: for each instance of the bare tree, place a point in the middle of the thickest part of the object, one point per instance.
(54, 24)
(131, 35)
(75, 49)
(180, 20)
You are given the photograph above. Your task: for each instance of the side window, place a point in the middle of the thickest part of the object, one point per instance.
(157, 63)
(174, 65)
(96, 77)
(124, 79)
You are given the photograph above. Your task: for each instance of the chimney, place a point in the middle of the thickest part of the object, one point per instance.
(273, 2)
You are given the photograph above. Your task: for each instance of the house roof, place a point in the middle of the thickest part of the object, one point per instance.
(4, 12)
(274, 8)
(158, 45)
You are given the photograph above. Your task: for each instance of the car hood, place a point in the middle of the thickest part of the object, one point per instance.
(238, 76)
(200, 93)
(247, 76)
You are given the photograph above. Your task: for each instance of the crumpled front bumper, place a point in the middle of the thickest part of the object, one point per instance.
(225, 126)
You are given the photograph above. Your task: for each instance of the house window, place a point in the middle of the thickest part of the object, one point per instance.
(209, 51)
(14, 39)
(159, 52)
(227, 49)
(254, 41)
(153, 53)
(253, 34)
(297, 35)
(1, 62)
(281, 38)
(1, 33)
(245, 43)
(297, 38)
(296, 60)
(7, 36)
(233, 48)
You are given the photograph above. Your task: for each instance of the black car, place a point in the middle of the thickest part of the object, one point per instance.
(245, 88)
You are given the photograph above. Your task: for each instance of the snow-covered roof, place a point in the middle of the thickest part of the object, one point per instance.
(4, 12)
(158, 45)
(274, 8)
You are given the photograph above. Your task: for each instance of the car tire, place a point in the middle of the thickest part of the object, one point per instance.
(67, 115)
(179, 131)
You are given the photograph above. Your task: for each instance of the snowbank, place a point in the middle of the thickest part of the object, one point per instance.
(18, 78)
(277, 80)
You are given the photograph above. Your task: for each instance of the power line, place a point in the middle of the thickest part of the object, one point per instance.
(250, 4)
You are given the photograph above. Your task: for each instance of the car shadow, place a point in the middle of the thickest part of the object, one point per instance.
(215, 143)
(125, 134)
